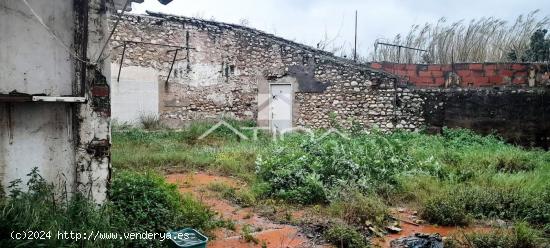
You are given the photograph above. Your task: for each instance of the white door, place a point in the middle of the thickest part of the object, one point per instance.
(281, 108)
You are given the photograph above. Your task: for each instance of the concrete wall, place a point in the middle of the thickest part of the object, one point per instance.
(68, 142)
(521, 116)
(136, 94)
(40, 136)
(31, 60)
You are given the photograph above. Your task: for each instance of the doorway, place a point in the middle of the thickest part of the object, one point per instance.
(280, 116)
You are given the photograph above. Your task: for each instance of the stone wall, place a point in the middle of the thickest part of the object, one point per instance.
(227, 68)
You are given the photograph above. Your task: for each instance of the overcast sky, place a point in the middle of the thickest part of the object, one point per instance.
(307, 21)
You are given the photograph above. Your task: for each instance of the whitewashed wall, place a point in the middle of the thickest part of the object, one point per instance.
(136, 94)
(33, 62)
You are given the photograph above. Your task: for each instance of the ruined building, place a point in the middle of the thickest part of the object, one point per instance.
(187, 69)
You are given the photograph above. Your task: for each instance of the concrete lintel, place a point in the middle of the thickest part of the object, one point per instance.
(69, 99)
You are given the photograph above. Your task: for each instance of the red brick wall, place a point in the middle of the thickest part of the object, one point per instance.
(469, 75)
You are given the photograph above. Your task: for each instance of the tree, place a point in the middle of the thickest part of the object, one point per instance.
(539, 49)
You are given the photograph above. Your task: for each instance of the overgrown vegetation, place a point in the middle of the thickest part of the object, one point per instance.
(452, 178)
(243, 197)
(304, 170)
(520, 236)
(356, 208)
(39, 209)
(150, 121)
(221, 150)
(149, 204)
(345, 236)
(139, 203)
(484, 40)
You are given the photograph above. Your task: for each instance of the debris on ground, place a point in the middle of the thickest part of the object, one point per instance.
(418, 240)
(393, 229)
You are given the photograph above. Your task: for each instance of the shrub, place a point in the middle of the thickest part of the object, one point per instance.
(446, 210)
(345, 236)
(300, 169)
(356, 208)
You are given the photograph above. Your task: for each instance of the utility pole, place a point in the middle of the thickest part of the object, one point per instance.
(355, 46)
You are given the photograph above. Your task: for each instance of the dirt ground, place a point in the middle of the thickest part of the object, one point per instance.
(270, 233)
(266, 231)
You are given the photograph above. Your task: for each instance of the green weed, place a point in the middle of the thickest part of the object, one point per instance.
(345, 236)
(358, 209)
(248, 236)
(521, 236)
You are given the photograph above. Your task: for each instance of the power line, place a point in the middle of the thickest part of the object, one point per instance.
(52, 33)
(112, 31)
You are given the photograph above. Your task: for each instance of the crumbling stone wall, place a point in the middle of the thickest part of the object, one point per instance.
(227, 69)
(226, 65)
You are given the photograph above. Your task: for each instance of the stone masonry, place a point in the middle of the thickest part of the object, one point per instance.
(227, 69)
(227, 64)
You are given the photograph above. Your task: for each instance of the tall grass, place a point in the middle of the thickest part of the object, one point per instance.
(150, 121)
(221, 151)
(488, 39)
(520, 236)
